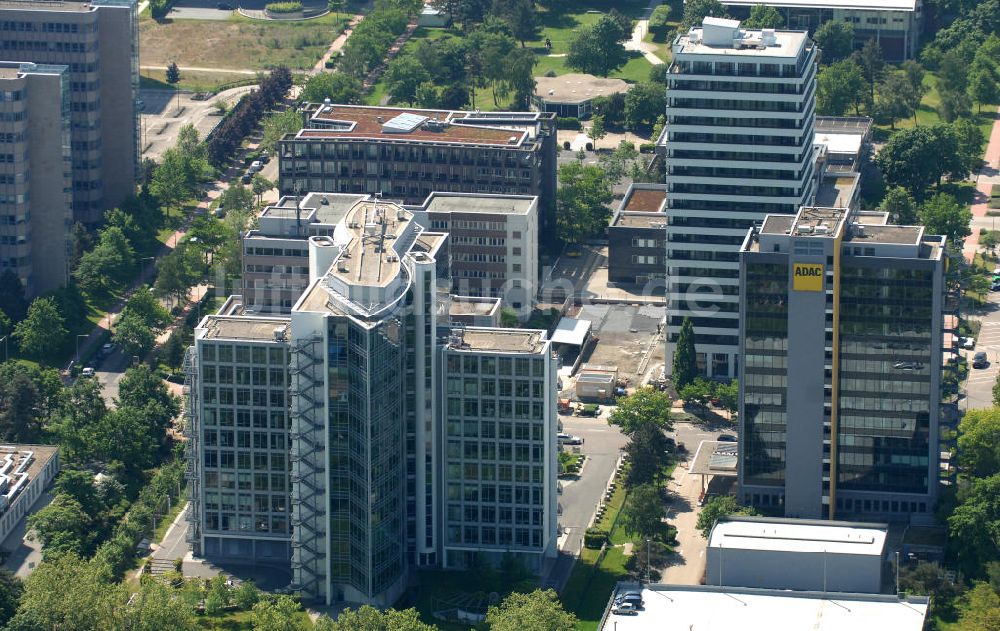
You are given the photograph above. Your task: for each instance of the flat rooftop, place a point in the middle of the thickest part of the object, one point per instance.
(329, 207)
(576, 88)
(859, 5)
(369, 258)
(844, 124)
(849, 143)
(529, 341)
(837, 190)
(475, 203)
(644, 200)
(903, 235)
(473, 306)
(711, 608)
(407, 125)
(714, 457)
(77, 6)
(243, 328)
(640, 220)
(719, 36)
(798, 535)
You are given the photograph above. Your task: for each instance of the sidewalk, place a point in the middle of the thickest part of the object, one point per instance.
(336, 45)
(986, 177)
(640, 30)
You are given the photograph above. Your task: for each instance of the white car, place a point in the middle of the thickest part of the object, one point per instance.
(625, 609)
(968, 343)
(569, 439)
(87, 372)
(256, 166)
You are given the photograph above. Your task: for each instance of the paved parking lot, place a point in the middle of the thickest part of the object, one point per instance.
(979, 387)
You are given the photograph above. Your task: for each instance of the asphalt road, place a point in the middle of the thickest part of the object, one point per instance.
(109, 372)
(979, 387)
(602, 445)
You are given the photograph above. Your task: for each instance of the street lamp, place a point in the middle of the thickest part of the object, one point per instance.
(4, 340)
(647, 561)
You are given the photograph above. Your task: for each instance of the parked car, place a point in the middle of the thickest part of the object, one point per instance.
(995, 285)
(256, 166)
(625, 609)
(589, 409)
(631, 596)
(247, 177)
(727, 438)
(265, 156)
(106, 349)
(979, 360)
(968, 343)
(569, 439)
(87, 372)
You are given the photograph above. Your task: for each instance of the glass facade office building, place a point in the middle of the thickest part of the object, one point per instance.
(840, 420)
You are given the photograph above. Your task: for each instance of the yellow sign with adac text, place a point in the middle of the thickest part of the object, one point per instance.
(807, 276)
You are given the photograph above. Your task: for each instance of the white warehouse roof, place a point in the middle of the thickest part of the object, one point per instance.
(798, 535)
(571, 331)
(710, 608)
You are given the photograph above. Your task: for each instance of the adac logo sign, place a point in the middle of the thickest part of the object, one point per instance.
(807, 277)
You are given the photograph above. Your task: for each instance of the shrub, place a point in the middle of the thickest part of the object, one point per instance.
(550, 73)
(566, 145)
(647, 147)
(590, 146)
(594, 538)
(283, 7)
(568, 123)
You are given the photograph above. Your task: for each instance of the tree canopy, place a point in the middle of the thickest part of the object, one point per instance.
(581, 202)
(718, 507)
(339, 87)
(599, 49)
(537, 611)
(685, 363)
(644, 407)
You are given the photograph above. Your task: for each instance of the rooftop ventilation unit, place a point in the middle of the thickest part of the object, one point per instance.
(279, 333)
(768, 37)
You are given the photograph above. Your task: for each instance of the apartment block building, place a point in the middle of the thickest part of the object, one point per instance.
(637, 238)
(737, 145)
(363, 422)
(491, 249)
(407, 154)
(35, 175)
(895, 24)
(492, 246)
(840, 419)
(98, 41)
(499, 421)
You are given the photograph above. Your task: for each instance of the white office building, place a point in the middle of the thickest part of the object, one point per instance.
(738, 145)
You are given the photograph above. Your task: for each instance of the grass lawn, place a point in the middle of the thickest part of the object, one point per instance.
(927, 114)
(190, 80)
(241, 620)
(239, 43)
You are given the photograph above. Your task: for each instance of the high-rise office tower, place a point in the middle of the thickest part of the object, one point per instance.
(738, 144)
(98, 41)
(370, 493)
(35, 185)
(841, 347)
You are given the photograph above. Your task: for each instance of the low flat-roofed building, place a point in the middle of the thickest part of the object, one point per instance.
(894, 24)
(708, 607)
(473, 311)
(25, 471)
(846, 140)
(572, 95)
(637, 237)
(797, 554)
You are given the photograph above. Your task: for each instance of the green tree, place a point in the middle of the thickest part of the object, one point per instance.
(108, 265)
(598, 49)
(697, 392)
(144, 305)
(728, 395)
(979, 442)
(581, 202)
(900, 205)
(521, 18)
(644, 104)
(643, 407)
(616, 164)
(280, 123)
(67, 593)
(872, 65)
(177, 272)
(368, 618)
(642, 514)
(537, 611)
(277, 614)
(596, 131)
(983, 89)
(171, 180)
(20, 421)
(141, 388)
(697, 10)
(659, 22)
(157, 608)
(973, 525)
(79, 486)
(402, 78)
(980, 610)
(42, 332)
(11, 589)
(718, 507)
(914, 74)
(246, 595)
(943, 214)
(339, 87)
(952, 87)
(917, 158)
(968, 141)
(836, 39)
(763, 16)
(838, 87)
(895, 99)
(12, 299)
(260, 185)
(133, 336)
(128, 436)
(173, 73)
(647, 454)
(237, 199)
(685, 362)
(61, 527)
(428, 95)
